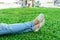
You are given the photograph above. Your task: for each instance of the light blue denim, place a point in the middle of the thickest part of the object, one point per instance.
(16, 28)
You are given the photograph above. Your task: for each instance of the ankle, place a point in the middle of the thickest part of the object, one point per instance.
(36, 21)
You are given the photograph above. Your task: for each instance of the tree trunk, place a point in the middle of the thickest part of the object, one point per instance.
(32, 3)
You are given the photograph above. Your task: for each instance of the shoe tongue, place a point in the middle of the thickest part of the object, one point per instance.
(40, 17)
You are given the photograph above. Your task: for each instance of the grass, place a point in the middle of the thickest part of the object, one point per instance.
(50, 31)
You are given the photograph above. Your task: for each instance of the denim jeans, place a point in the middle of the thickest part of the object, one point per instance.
(16, 28)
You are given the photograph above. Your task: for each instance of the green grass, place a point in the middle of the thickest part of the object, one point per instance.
(50, 31)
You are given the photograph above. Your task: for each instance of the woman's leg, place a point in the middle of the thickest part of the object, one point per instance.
(16, 28)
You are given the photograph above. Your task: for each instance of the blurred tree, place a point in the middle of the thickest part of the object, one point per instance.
(37, 4)
(33, 3)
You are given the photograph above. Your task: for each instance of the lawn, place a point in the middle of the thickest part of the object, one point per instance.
(50, 31)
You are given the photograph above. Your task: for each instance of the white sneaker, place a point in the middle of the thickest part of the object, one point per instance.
(41, 20)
